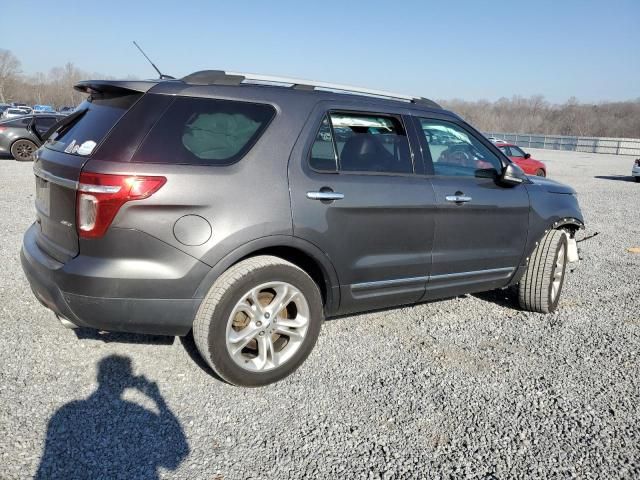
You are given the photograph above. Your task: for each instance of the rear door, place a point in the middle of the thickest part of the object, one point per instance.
(58, 165)
(481, 226)
(356, 194)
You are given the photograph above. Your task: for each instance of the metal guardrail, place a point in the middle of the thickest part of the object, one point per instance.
(615, 146)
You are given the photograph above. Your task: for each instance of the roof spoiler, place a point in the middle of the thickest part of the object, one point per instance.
(115, 86)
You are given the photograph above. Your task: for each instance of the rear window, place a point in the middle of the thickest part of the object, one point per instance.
(197, 131)
(90, 123)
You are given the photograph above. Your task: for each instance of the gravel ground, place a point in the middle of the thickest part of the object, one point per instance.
(463, 388)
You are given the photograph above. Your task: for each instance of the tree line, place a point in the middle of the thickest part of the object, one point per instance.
(536, 115)
(53, 88)
(515, 115)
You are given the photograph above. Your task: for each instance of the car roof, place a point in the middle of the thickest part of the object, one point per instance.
(253, 85)
(31, 115)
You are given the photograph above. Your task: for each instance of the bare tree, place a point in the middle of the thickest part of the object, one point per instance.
(509, 115)
(536, 115)
(9, 71)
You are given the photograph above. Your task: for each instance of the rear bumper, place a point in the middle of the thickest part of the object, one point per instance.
(52, 283)
(635, 171)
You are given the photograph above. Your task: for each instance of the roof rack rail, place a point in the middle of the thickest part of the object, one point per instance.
(221, 77)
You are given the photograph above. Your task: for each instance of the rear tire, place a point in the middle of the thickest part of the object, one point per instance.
(540, 287)
(259, 321)
(22, 150)
(540, 173)
(637, 179)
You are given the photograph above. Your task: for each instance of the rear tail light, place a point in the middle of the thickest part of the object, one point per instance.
(2, 129)
(100, 196)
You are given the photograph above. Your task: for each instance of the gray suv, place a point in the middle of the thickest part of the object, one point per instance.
(248, 209)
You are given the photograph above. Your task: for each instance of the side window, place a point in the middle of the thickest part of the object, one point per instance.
(364, 143)
(505, 150)
(43, 124)
(205, 132)
(454, 151)
(323, 153)
(371, 143)
(516, 152)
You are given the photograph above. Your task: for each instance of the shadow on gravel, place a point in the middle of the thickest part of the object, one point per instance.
(507, 298)
(105, 436)
(119, 337)
(622, 178)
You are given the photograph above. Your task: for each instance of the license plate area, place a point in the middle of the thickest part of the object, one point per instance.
(43, 196)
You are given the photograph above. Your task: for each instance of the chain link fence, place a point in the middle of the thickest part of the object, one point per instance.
(616, 146)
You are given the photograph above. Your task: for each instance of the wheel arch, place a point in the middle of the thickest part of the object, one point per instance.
(572, 224)
(23, 138)
(292, 249)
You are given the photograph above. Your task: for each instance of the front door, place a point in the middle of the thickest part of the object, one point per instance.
(481, 226)
(355, 194)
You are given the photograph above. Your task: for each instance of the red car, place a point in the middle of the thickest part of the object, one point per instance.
(531, 166)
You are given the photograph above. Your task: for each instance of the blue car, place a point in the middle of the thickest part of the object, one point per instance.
(43, 109)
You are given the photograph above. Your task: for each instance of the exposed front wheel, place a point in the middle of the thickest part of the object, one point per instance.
(540, 173)
(541, 285)
(259, 321)
(23, 150)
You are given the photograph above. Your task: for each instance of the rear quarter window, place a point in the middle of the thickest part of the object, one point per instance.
(197, 131)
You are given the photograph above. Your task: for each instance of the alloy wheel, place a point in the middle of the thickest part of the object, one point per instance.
(267, 326)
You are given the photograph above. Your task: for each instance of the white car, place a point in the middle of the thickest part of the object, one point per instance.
(635, 170)
(13, 113)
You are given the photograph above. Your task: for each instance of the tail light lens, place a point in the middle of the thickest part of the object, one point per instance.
(2, 129)
(100, 196)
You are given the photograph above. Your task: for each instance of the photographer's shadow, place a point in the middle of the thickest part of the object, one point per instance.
(105, 436)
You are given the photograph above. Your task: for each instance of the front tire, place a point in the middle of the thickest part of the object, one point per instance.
(540, 173)
(259, 321)
(540, 287)
(23, 150)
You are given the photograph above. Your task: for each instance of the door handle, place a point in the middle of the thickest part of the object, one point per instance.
(326, 196)
(458, 198)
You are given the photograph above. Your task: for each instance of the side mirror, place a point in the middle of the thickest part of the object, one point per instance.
(527, 155)
(512, 175)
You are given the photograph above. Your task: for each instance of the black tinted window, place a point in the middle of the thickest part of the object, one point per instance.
(43, 124)
(454, 151)
(83, 130)
(323, 154)
(205, 131)
(371, 143)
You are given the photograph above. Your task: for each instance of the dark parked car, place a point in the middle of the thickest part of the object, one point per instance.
(66, 110)
(226, 207)
(21, 136)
